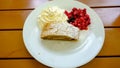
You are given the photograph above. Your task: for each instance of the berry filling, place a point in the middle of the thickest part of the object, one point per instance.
(79, 18)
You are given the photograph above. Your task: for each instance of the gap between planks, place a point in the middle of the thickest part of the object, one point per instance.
(33, 58)
(34, 8)
(22, 29)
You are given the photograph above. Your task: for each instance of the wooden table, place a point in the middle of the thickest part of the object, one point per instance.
(13, 53)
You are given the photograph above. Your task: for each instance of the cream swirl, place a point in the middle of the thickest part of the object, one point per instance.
(51, 15)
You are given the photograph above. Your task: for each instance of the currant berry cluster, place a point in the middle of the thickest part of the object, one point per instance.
(79, 18)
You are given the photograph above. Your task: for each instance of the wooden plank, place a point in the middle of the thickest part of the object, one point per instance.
(109, 16)
(30, 4)
(100, 3)
(103, 63)
(12, 46)
(111, 45)
(15, 19)
(22, 63)
(31, 63)
(21, 4)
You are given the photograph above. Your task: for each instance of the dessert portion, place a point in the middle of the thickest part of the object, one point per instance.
(60, 31)
(59, 24)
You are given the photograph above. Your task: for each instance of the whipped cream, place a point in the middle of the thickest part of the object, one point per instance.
(51, 15)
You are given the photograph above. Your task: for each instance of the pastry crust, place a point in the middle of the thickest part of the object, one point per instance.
(60, 31)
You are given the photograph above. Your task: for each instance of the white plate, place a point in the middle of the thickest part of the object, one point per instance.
(66, 54)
